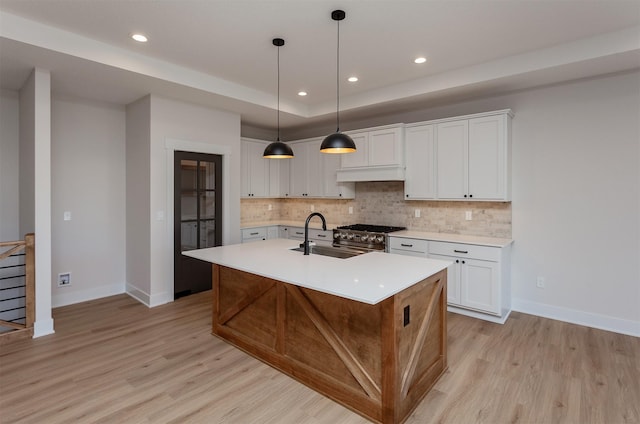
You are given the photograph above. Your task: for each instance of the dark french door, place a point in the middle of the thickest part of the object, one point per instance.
(198, 217)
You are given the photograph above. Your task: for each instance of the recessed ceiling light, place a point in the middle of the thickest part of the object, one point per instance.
(352, 79)
(420, 59)
(139, 38)
(302, 93)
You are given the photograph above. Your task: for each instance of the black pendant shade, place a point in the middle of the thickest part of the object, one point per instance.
(338, 142)
(277, 149)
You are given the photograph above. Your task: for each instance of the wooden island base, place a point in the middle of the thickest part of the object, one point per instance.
(377, 360)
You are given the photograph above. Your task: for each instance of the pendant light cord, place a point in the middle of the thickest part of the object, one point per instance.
(338, 80)
(278, 93)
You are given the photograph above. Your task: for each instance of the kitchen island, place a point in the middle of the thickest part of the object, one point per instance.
(368, 331)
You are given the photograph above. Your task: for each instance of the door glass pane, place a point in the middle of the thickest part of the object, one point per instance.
(188, 235)
(207, 205)
(207, 234)
(189, 176)
(207, 176)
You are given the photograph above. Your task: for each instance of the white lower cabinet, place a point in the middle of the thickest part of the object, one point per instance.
(260, 233)
(473, 284)
(316, 235)
(478, 281)
(408, 246)
(254, 234)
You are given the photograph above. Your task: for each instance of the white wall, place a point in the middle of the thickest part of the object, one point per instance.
(88, 180)
(576, 202)
(174, 126)
(9, 169)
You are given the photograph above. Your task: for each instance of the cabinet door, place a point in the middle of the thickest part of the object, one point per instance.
(332, 188)
(314, 168)
(273, 232)
(385, 147)
(451, 145)
(420, 176)
(487, 158)
(453, 279)
(279, 177)
(298, 172)
(360, 157)
(255, 175)
(480, 285)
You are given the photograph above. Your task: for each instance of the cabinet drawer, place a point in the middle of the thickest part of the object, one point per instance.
(317, 234)
(485, 253)
(296, 233)
(409, 244)
(249, 233)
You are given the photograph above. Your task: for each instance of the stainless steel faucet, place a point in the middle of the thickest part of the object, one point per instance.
(306, 229)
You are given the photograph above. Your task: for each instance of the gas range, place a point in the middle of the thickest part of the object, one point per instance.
(363, 236)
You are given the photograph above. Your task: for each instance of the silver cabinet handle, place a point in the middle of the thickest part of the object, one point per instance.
(322, 235)
(460, 251)
(406, 245)
(254, 234)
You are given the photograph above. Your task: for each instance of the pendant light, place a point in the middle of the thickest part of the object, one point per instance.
(338, 142)
(277, 149)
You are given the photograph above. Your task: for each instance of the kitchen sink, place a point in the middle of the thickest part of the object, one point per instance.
(334, 252)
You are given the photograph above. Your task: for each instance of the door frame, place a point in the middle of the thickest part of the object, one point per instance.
(171, 145)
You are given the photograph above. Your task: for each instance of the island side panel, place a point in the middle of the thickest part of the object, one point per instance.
(360, 355)
(422, 343)
(328, 343)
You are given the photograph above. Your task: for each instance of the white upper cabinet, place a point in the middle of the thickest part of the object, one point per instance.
(279, 177)
(254, 169)
(473, 157)
(420, 176)
(262, 177)
(489, 154)
(360, 157)
(379, 155)
(332, 188)
(460, 158)
(452, 141)
(313, 174)
(305, 169)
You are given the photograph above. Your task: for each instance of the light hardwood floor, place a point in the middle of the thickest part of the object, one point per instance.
(114, 360)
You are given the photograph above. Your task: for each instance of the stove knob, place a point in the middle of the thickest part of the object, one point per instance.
(343, 236)
(379, 239)
(336, 235)
(350, 236)
(364, 238)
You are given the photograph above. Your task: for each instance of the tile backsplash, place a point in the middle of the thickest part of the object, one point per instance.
(383, 203)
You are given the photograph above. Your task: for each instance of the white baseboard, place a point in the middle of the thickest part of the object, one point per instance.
(43, 328)
(479, 315)
(602, 322)
(149, 300)
(78, 296)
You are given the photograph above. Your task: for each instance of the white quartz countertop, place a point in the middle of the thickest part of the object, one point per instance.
(453, 238)
(369, 278)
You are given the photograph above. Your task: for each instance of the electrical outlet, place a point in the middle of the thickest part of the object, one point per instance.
(540, 282)
(64, 279)
(66, 215)
(313, 208)
(270, 207)
(467, 215)
(417, 213)
(350, 210)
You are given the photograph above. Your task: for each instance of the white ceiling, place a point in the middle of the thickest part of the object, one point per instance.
(219, 52)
